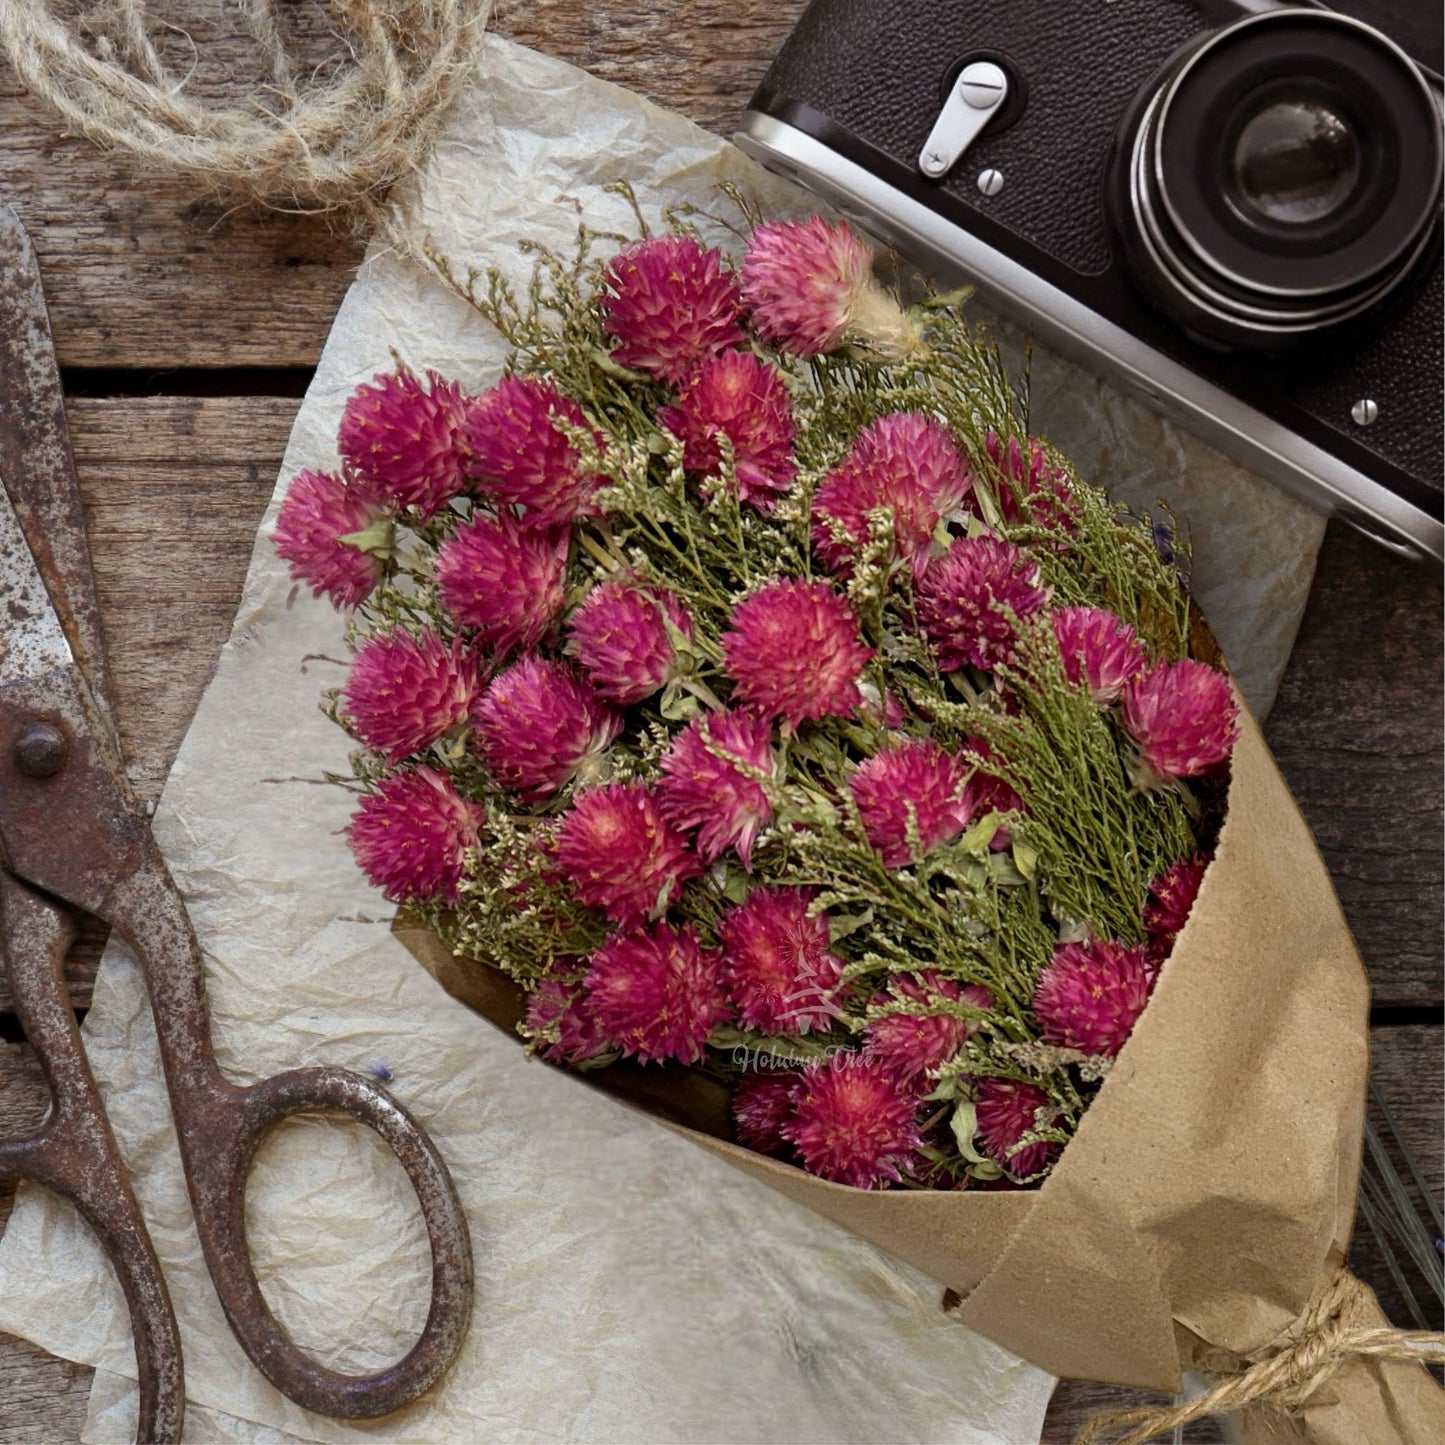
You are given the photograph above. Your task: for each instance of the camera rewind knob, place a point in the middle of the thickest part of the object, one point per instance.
(976, 97)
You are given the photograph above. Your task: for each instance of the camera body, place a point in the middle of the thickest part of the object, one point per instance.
(1232, 209)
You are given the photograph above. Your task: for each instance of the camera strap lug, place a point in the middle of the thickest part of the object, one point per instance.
(976, 97)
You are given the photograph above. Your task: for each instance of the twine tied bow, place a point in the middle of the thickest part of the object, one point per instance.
(1297, 1362)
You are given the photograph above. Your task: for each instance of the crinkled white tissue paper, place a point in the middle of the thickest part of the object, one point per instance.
(629, 1286)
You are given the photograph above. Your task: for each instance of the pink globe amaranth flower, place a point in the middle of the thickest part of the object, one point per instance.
(854, 1121)
(1089, 995)
(966, 596)
(656, 993)
(558, 1012)
(906, 462)
(621, 639)
(1098, 651)
(406, 690)
(538, 725)
(776, 965)
(520, 458)
(914, 1044)
(319, 510)
(709, 785)
(1007, 1109)
(1045, 487)
(739, 397)
(621, 854)
(911, 783)
(1183, 718)
(1171, 899)
(793, 652)
(762, 1105)
(503, 579)
(410, 837)
(405, 437)
(810, 288)
(671, 305)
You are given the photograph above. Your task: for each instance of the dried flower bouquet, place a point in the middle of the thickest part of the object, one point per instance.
(739, 677)
(757, 716)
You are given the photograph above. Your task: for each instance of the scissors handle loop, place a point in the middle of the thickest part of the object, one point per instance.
(227, 1128)
(75, 1154)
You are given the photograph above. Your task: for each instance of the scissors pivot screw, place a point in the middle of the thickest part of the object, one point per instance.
(41, 750)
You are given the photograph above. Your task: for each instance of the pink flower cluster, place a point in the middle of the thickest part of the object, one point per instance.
(660, 738)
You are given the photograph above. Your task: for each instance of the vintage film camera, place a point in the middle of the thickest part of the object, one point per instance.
(1233, 209)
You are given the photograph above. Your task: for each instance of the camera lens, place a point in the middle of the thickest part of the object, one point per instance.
(1281, 176)
(1295, 161)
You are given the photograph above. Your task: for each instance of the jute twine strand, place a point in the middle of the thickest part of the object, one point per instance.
(332, 141)
(1303, 1357)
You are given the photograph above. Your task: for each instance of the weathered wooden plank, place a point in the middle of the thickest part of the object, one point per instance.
(42, 1398)
(141, 268)
(1358, 733)
(174, 488)
(701, 57)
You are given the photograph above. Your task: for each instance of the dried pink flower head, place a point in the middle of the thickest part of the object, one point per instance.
(656, 993)
(793, 652)
(620, 853)
(404, 437)
(671, 305)
(1183, 718)
(320, 510)
(622, 641)
(1171, 899)
(776, 965)
(1045, 487)
(559, 1019)
(739, 397)
(810, 288)
(762, 1105)
(966, 597)
(1098, 651)
(710, 784)
(503, 579)
(854, 1121)
(521, 459)
(406, 690)
(410, 837)
(913, 1044)
(539, 725)
(1007, 1109)
(906, 462)
(910, 797)
(1089, 995)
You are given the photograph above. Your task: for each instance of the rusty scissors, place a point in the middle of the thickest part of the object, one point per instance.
(73, 837)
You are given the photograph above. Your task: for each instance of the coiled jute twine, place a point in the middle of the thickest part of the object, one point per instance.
(334, 140)
(1330, 1331)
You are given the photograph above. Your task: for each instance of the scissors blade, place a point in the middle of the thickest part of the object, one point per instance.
(36, 468)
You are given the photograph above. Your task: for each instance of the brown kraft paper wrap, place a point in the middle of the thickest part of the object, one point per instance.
(1210, 1190)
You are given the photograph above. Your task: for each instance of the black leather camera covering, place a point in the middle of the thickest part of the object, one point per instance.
(866, 79)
